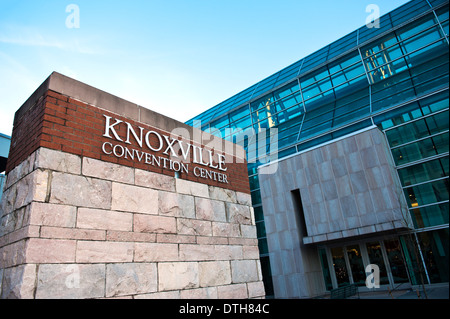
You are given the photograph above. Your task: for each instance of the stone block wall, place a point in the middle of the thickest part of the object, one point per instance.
(75, 227)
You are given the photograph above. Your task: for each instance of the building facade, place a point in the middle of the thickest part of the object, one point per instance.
(348, 157)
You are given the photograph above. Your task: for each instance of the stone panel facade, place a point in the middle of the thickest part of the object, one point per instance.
(346, 190)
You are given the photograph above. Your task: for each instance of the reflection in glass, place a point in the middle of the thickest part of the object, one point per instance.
(430, 215)
(376, 257)
(325, 269)
(434, 247)
(428, 193)
(356, 265)
(396, 261)
(339, 266)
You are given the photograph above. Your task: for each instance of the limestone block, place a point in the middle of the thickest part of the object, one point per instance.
(197, 252)
(112, 235)
(256, 289)
(244, 199)
(71, 233)
(207, 209)
(191, 188)
(18, 282)
(214, 273)
(44, 214)
(153, 180)
(226, 229)
(155, 252)
(13, 221)
(70, 281)
(187, 226)
(160, 295)
(177, 205)
(154, 224)
(248, 231)
(57, 161)
(250, 252)
(238, 214)
(13, 254)
(101, 252)
(244, 271)
(199, 293)
(130, 279)
(178, 275)
(135, 199)
(229, 252)
(222, 194)
(238, 291)
(31, 187)
(80, 191)
(41, 250)
(108, 171)
(104, 219)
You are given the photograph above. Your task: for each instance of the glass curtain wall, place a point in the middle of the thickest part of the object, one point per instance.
(395, 77)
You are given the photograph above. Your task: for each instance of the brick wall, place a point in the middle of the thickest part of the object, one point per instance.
(62, 123)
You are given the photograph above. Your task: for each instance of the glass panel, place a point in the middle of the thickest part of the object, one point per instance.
(430, 215)
(219, 123)
(376, 257)
(428, 193)
(398, 116)
(413, 261)
(263, 102)
(259, 215)
(267, 276)
(421, 149)
(434, 247)
(435, 103)
(340, 268)
(438, 123)
(407, 133)
(396, 261)
(378, 59)
(421, 40)
(418, 129)
(356, 265)
(424, 172)
(260, 229)
(286, 90)
(262, 245)
(325, 269)
(316, 76)
(256, 197)
(392, 91)
(254, 183)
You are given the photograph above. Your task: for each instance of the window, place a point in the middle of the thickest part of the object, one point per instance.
(299, 213)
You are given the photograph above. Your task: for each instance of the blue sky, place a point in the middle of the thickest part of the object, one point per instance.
(176, 57)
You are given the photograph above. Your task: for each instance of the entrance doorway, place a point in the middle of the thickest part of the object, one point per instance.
(346, 264)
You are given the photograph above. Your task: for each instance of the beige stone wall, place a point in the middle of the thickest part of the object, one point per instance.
(75, 227)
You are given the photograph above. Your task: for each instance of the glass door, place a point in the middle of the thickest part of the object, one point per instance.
(396, 261)
(356, 265)
(376, 258)
(340, 267)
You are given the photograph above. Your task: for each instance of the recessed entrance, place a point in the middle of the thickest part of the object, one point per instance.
(346, 264)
